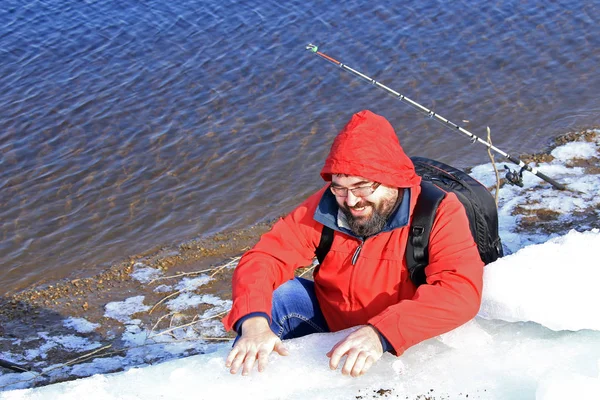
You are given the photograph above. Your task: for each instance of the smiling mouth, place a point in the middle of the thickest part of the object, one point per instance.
(358, 211)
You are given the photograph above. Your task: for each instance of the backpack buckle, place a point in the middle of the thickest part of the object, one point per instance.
(418, 230)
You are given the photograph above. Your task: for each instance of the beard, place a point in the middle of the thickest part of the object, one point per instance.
(365, 226)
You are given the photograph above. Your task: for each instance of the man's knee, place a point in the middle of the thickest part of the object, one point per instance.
(287, 290)
(295, 295)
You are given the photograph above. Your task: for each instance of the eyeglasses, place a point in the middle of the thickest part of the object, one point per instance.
(361, 191)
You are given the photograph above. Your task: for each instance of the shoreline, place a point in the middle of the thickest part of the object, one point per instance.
(216, 248)
(44, 308)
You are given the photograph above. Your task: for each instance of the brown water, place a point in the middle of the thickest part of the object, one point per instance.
(128, 125)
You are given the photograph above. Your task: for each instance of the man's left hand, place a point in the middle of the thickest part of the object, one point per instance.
(362, 347)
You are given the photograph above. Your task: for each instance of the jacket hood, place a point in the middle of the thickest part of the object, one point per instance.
(368, 147)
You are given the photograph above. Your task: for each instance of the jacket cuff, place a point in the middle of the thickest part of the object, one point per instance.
(238, 324)
(387, 326)
(385, 344)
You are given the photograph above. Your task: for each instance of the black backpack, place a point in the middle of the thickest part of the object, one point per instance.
(437, 179)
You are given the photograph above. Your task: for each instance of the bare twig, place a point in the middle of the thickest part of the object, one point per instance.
(159, 320)
(85, 356)
(173, 318)
(188, 324)
(307, 270)
(179, 275)
(24, 380)
(229, 264)
(214, 271)
(163, 299)
(221, 268)
(171, 323)
(12, 366)
(79, 359)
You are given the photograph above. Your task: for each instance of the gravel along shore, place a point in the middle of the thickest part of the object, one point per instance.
(37, 323)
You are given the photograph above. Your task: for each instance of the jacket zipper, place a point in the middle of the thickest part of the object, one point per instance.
(357, 252)
(353, 273)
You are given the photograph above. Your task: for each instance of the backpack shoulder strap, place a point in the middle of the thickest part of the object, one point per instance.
(417, 247)
(324, 244)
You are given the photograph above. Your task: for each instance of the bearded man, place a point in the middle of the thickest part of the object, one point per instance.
(363, 281)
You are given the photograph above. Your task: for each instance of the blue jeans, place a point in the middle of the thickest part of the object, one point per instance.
(296, 310)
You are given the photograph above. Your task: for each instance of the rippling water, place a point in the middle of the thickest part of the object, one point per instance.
(129, 124)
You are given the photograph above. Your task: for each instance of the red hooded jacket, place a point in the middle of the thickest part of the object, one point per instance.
(376, 289)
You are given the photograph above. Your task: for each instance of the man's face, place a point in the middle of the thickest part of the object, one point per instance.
(366, 213)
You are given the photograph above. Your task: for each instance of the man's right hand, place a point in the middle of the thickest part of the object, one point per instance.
(256, 343)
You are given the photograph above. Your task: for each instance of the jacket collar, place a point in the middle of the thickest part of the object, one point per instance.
(327, 213)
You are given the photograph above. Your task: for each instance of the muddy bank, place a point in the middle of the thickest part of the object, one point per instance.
(44, 308)
(83, 296)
